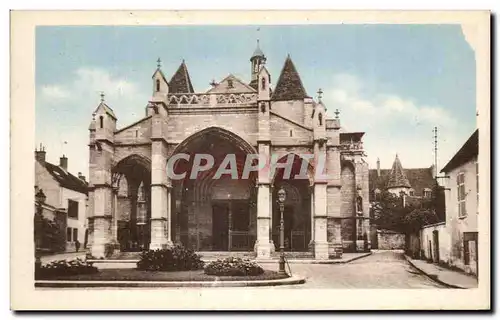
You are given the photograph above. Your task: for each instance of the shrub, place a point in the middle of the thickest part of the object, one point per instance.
(176, 258)
(233, 267)
(64, 268)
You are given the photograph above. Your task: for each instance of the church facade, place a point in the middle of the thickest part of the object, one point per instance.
(135, 205)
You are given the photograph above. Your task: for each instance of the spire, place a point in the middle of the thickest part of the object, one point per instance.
(181, 82)
(289, 86)
(258, 52)
(397, 177)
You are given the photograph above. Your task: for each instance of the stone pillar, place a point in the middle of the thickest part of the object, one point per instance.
(102, 220)
(114, 221)
(263, 244)
(320, 222)
(160, 197)
(311, 242)
(102, 194)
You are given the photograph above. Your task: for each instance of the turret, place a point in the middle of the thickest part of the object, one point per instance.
(160, 84)
(319, 119)
(103, 122)
(257, 60)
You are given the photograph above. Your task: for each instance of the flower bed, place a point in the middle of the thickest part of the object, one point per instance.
(233, 267)
(176, 258)
(64, 268)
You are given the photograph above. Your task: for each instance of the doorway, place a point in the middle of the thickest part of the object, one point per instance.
(220, 226)
(435, 238)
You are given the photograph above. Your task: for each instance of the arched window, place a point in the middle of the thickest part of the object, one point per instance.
(157, 85)
(291, 133)
(101, 122)
(320, 118)
(263, 84)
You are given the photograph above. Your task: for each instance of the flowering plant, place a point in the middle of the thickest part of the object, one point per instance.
(176, 258)
(233, 267)
(65, 268)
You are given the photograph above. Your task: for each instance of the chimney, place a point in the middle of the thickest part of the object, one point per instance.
(63, 162)
(81, 176)
(40, 154)
(378, 167)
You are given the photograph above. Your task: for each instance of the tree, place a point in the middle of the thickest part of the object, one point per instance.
(389, 213)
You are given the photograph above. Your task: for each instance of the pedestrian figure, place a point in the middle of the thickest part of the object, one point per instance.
(77, 245)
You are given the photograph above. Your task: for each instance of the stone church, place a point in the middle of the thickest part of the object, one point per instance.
(134, 205)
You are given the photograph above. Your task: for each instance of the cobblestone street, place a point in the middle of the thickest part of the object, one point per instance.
(381, 270)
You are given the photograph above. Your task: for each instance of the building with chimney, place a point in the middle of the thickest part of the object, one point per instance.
(414, 183)
(64, 202)
(134, 205)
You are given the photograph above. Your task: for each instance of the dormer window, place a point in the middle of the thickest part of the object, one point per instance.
(230, 84)
(101, 122)
(157, 85)
(263, 84)
(427, 193)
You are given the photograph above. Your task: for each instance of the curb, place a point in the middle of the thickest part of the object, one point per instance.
(314, 261)
(293, 280)
(291, 261)
(431, 276)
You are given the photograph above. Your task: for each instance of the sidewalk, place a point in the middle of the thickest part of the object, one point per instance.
(443, 275)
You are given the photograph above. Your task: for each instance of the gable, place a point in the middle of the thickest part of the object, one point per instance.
(136, 132)
(284, 131)
(231, 84)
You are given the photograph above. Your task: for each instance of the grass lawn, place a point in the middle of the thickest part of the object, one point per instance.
(138, 275)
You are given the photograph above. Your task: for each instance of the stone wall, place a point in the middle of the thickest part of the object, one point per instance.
(390, 240)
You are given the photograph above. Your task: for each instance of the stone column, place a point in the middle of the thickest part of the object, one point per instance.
(160, 197)
(114, 226)
(101, 185)
(320, 201)
(320, 222)
(263, 244)
(311, 242)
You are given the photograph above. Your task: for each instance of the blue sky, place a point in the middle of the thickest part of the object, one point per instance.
(394, 82)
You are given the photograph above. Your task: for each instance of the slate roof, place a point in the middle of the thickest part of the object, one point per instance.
(258, 52)
(289, 86)
(469, 150)
(66, 179)
(418, 178)
(397, 176)
(181, 82)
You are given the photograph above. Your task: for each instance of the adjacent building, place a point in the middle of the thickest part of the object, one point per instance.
(411, 184)
(64, 203)
(135, 205)
(455, 242)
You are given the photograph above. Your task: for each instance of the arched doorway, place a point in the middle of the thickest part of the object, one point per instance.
(211, 211)
(132, 204)
(297, 209)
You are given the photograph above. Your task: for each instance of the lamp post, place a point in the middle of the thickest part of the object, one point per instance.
(281, 202)
(40, 199)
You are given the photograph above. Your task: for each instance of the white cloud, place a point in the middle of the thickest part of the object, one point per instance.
(54, 92)
(67, 111)
(393, 123)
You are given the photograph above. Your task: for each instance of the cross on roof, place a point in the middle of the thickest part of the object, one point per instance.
(158, 63)
(102, 96)
(213, 83)
(337, 112)
(320, 94)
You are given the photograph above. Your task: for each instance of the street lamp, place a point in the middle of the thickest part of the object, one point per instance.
(281, 202)
(40, 199)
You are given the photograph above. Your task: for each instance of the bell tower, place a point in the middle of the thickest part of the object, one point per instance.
(258, 58)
